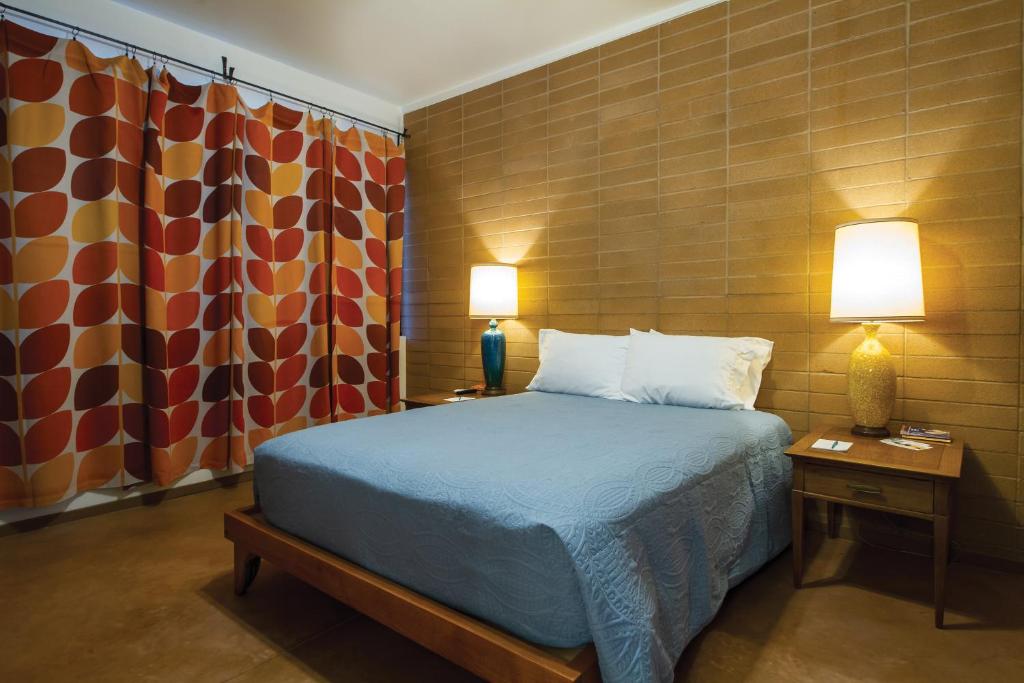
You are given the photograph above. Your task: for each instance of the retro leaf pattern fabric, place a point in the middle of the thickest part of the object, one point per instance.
(181, 276)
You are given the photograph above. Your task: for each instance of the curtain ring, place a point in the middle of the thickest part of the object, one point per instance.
(74, 33)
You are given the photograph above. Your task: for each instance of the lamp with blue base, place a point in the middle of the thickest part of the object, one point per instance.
(493, 294)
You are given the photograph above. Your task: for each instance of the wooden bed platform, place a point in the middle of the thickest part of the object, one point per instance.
(478, 647)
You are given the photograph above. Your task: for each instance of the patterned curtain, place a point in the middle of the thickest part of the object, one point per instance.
(182, 277)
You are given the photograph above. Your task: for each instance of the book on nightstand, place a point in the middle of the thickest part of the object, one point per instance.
(922, 434)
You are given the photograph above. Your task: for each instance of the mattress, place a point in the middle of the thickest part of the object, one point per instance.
(561, 519)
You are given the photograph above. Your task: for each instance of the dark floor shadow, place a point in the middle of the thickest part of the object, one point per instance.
(975, 594)
(323, 638)
(279, 609)
(762, 596)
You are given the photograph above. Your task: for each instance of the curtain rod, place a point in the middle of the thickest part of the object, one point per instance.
(227, 76)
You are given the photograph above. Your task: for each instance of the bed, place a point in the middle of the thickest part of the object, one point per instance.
(549, 519)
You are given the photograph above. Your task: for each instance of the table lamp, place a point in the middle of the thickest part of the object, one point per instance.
(493, 293)
(876, 278)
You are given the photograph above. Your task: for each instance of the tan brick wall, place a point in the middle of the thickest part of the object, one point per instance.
(689, 178)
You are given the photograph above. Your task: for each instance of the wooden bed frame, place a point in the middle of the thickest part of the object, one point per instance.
(482, 649)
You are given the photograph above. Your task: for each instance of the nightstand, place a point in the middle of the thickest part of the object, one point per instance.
(879, 477)
(437, 398)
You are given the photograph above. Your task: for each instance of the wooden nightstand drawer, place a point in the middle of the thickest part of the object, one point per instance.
(903, 493)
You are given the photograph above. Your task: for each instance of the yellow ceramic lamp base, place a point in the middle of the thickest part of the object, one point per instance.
(872, 385)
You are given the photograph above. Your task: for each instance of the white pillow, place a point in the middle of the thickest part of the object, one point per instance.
(583, 364)
(700, 372)
(762, 354)
(762, 350)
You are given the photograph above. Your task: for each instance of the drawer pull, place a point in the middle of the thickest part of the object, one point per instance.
(861, 488)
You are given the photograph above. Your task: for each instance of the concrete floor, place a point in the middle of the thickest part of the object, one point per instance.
(145, 595)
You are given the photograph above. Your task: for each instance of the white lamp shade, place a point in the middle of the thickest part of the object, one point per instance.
(876, 272)
(493, 291)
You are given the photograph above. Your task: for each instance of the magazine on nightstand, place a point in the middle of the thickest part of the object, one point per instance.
(923, 434)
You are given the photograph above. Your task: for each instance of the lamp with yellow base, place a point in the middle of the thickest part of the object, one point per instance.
(876, 278)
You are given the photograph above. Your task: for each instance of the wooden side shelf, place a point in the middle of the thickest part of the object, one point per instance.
(482, 649)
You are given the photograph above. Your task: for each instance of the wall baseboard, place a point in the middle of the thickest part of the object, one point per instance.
(870, 537)
(1002, 564)
(814, 522)
(148, 498)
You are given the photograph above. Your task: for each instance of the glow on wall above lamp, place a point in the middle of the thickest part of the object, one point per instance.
(493, 291)
(876, 272)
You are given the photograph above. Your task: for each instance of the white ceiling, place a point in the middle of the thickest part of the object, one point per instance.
(414, 52)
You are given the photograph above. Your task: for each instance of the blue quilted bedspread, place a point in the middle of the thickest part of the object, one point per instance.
(561, 519)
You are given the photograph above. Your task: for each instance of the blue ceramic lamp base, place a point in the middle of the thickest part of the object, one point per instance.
(492, 354)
